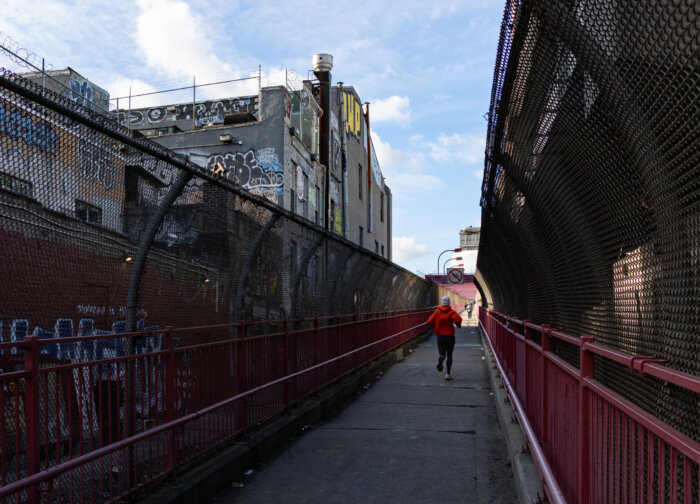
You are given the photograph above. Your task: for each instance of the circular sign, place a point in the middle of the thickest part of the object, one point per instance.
(455, 276)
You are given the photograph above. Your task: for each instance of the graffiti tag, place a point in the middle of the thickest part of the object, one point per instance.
(94, 164)
(261, 174)
(16, 124)
(205, 113)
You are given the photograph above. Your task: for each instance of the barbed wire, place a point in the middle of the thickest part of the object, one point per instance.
(22, 56)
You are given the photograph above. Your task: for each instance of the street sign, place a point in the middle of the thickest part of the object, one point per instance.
(455, 275)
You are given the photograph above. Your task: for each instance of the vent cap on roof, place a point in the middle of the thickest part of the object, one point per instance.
(322, 63)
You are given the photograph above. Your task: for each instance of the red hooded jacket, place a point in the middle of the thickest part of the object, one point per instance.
(442, 319)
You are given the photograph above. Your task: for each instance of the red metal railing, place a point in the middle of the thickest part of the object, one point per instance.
(589, 443)
(74, 429)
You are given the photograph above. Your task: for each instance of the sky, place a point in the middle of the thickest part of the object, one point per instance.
(425, 67)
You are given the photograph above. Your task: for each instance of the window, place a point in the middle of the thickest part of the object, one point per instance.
(131, 184)
(88, 213)
(376, 247)
(304, 116)
(15, 185)
(382, 250)
(381, 207)
(359, 177)
(362, 238)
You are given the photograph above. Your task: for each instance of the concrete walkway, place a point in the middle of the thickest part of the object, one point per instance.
(410, 437)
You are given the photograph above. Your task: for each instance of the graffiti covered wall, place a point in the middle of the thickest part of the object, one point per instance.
(205, 113)
(58, 165)
(87, 94)
(258, 171)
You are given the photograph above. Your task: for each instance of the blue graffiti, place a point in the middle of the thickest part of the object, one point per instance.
(85, 93)
(81, 92)
(16, 124)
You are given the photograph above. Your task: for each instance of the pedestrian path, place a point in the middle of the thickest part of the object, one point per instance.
(410, 437)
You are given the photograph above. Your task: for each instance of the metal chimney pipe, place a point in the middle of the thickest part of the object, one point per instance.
(322, 65)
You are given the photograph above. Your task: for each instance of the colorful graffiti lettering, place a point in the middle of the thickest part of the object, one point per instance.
(262, 174)
(15, 124)
(353, 114)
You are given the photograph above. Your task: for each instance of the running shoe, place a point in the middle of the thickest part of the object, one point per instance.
(448, 376)
(439, 366)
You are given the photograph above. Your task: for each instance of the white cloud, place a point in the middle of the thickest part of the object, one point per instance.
(174, 42)
(405, 248)
(416, 139)
(395, 108)
(468, 148)
(404, 170)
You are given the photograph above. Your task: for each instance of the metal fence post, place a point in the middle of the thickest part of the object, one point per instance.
(337, 346)
(31, 411)
(170, 378)
(316, 353)
(241, 382)
(584, 475)
(526, 371)
(546, 348)
(285, 362)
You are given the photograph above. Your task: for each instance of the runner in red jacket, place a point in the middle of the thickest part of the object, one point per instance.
(443, 321)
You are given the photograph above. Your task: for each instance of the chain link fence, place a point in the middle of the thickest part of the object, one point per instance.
(590, 206)
(105, 232)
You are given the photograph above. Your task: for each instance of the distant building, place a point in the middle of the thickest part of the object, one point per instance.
(70, 84)
(67, 188)
(469, 238)
(271, 144)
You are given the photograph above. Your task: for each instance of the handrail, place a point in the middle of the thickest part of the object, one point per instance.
(555, 494)
(600, 422)
(32, 481)
(645, 365)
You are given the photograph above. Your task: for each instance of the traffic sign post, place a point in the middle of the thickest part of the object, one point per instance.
(455, 275)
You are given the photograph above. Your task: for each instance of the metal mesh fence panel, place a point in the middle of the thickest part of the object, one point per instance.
(80, 197)
(590, 193)
(103, 232)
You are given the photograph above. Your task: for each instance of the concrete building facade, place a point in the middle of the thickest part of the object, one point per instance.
(271, 145)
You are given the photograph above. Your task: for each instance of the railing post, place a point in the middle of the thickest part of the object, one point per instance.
(31, 411)
(584, 473)
(337, 346)
(170, 379)
(241, 374)
(526, 337)
(546, 348)
(285, 362)
(315, 354)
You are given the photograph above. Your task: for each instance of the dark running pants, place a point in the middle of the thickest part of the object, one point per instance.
(446, 344)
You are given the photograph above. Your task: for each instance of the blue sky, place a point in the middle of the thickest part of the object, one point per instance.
(426, 70)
